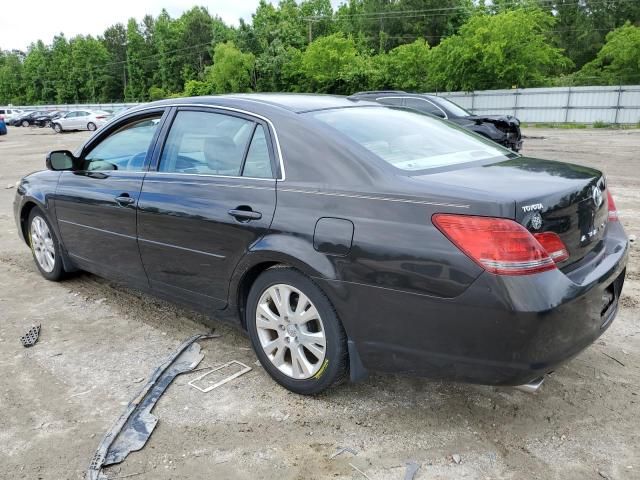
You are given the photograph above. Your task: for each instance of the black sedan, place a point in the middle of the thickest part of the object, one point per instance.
(502, 129)
(27, 119)
(45, 119)
(343, 235)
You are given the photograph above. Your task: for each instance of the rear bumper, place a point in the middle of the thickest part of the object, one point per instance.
(500, 331)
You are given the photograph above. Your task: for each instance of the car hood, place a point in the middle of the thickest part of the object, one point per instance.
(507, 120)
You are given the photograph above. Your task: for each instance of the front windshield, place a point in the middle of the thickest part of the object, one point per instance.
(407, 139)
(455, 110)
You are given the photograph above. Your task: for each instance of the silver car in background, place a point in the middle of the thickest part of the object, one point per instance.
(81, 120)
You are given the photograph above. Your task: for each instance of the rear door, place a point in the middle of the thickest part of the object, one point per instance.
(68, 121)
(96, 204)
(208, 199)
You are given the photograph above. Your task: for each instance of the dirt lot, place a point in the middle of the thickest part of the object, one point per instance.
(99, 341)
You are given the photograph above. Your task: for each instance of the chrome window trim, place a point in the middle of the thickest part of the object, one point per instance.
(446, 117)
(230, 109)
(214, 175)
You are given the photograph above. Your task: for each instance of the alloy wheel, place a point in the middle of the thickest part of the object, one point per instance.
(42, 243)
(290, 331)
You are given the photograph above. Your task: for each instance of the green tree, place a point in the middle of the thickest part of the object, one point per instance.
(333, 64)
(509, 49)
(232, 70)
(12, 79)
(115, 42)
(406, 67)
(618, 62)
(89, 58)
(137, 80)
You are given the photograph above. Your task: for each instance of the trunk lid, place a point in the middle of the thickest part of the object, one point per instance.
(548, 196)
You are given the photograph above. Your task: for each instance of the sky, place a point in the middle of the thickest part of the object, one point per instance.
(25, 21)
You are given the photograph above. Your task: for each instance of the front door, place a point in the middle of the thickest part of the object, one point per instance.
(96, 204)
(211, 196)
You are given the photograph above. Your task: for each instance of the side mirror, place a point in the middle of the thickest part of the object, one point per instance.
(59, 160)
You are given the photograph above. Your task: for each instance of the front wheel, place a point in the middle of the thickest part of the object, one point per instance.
(57, 128)
(25, 123)
(295, 331)
(44, 246)
(91, 126)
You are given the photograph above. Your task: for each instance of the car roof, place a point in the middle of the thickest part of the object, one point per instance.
(293, 102)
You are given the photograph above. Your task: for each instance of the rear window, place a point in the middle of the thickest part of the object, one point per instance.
(409, 140)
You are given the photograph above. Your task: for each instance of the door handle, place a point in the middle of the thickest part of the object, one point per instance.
(124, 200)
(244, 214)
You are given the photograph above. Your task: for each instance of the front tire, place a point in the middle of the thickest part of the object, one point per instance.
(57, 128)
(295, 331)
(91, 126)
(25, 123)
(44, 246)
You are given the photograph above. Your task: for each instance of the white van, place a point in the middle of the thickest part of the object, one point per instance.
(9, 113)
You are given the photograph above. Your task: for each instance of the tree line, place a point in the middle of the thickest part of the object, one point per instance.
(307, 46)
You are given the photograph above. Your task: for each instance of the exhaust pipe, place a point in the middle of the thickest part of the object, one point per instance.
(531, 387)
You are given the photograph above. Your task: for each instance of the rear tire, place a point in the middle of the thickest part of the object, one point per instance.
(300, 342)
(91, 126)
(44, 246)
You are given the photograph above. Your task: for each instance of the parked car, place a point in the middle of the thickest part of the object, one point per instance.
(399, 242)
(502, 129)
(9, 113)
(46, 119)
(26, 119)
(80, 120)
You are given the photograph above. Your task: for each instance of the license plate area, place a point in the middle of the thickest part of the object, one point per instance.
(610, 296)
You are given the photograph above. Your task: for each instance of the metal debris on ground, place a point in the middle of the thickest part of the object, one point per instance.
(341, 450)
(412, 469)
(456, 458)
(31, 337)
(134, 427)
(613, 358)
(359, 471)
(243, 369)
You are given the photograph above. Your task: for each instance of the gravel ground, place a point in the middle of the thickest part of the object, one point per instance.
(99, 340)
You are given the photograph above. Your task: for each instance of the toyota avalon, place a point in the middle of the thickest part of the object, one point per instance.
(343, 235)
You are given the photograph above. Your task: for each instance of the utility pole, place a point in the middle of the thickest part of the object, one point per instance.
(310, 28)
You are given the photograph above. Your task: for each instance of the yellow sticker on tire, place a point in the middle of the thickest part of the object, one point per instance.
(322, 369)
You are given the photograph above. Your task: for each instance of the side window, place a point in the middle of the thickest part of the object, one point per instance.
(70, 115)
(426, 106)
(125, 149)
(206, 143)
(258, 162)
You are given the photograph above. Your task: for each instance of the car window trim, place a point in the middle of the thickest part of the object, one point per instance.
(122, 122)
(248, 146)
(243, 114)
(405, 98)
(271, 131)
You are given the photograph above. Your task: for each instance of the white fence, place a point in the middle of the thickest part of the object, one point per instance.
(620, 104)
(556, 105)
(76, 106)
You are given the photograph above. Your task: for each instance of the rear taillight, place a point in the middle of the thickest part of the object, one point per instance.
(500, 245)
(613, 212)
(553, 245)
